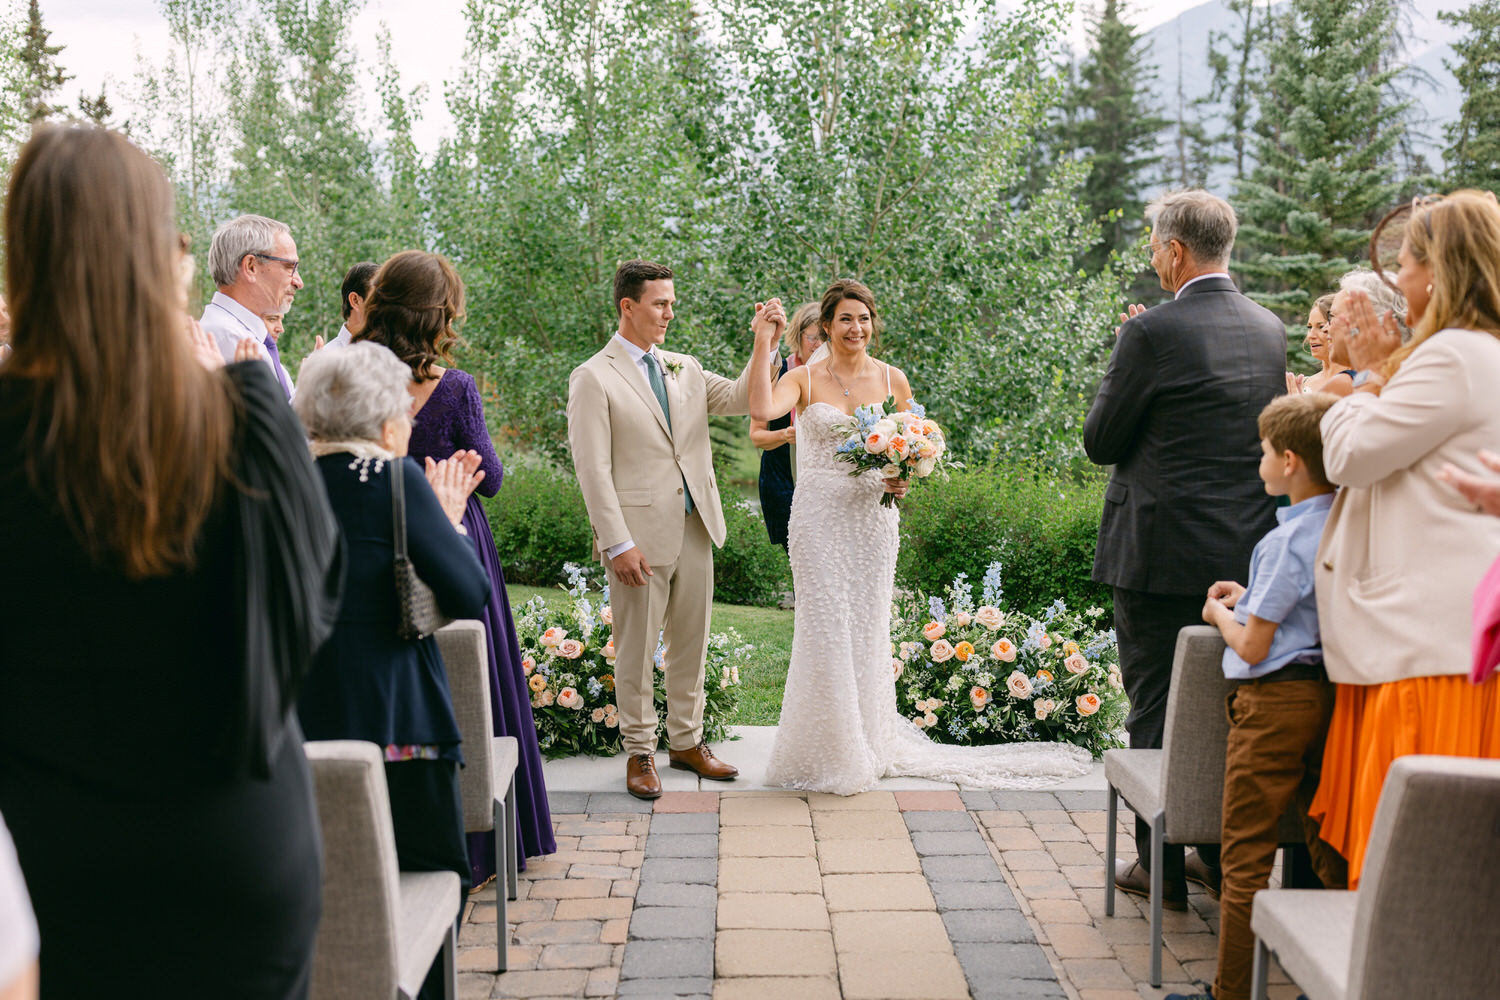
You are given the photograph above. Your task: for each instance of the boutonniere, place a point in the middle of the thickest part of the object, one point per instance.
(673, 367)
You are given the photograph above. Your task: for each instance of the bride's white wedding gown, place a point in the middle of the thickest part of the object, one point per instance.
(839, 729)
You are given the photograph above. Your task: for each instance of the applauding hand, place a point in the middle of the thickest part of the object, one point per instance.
(453, 479)
(1130, 313)
(1370, 339)
(1483, 493)
(204, 348)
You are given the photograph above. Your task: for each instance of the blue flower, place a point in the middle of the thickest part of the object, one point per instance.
(917, 408)
(1057, 608)
(992, 591)
(595, 687)
(937, 609)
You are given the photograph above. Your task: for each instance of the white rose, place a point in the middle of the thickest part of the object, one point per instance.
(990, 617)
(925, 466)
(1018, 684)
(962, 618)
(891, 472)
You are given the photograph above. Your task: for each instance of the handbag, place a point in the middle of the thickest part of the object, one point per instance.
(417, 611)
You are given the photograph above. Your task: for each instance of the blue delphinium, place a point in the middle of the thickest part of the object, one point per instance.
(963, 597)
(1057, 608)
(595, 687)
(937, 609)
(917, 408)
(992, 592)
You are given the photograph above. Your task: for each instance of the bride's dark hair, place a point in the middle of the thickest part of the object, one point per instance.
(848, 288)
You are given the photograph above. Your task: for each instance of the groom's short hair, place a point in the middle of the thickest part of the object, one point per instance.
(631, 278)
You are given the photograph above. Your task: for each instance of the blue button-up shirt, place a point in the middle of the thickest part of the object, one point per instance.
(1281, 590)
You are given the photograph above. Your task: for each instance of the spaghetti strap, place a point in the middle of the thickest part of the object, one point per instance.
(887, 378)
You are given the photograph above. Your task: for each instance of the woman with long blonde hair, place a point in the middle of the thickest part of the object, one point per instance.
(172, 566)
(1402, 552)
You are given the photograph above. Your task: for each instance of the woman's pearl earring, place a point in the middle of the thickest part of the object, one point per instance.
(1429, 288)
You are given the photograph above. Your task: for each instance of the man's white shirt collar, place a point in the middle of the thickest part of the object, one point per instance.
(247, 319)
(1201, 277)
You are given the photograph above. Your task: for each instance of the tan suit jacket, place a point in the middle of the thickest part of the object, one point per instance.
(630, 466)
(1402, 551)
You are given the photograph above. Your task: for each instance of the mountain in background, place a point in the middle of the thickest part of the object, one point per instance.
(1179, 49)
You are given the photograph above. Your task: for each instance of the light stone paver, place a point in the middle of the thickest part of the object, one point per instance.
(862, 801)
(771, 910)
(848, 857)
(890, 930)
(769, 875)
(770, 811)
(892, 975)
(877, 892)
(766, 842)
(858, 824)
(780, 988)
(740, 952)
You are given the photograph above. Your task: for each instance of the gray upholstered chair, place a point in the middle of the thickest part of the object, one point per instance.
(1422, 922)
(488, 779)
(381, 928)
(1179, 789)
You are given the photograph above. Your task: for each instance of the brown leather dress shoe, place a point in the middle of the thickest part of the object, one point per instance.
(701, 759)
(1195, 869)
(641, 779)
(1132, 878)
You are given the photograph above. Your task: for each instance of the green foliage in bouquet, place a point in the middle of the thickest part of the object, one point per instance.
(568, 655)
(978, 675)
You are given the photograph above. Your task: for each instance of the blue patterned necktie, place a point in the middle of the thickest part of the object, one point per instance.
(653, 375)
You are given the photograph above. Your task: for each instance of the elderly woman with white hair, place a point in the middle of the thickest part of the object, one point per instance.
(369, 683)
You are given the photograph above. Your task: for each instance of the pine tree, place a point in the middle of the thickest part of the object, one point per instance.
(1325, 148)
(1473, 153)
(42, 75)
(1236, 60)
(96, 110)
(1109, 118)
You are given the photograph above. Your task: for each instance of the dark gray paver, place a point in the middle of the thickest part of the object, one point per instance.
(1017, 989)
(986, 927)
(703, 871)
(977, 800)
(961, 868)
(676, 894)
(938, 821)
(684, 823)
(654, 922)
(1083, 801)
(973, 896)
(682, 845)
(670, 958)
(568, 803)
(656, 987)
(1025, 800)
(616, 802)
(935, 842)
(992, 963)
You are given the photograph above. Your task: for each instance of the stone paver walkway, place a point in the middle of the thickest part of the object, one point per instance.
(925, 893)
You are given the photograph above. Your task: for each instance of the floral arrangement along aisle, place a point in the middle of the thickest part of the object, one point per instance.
(568, 654)
(978, 675)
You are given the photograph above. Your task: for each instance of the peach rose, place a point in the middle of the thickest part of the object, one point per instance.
(547, 697)
(878, 439)
(917, 721)
(963, 651)
(940, 651)
(929, 720)
(990, 617)
(570, 649)
(896, 449)
(961, 619)
(897, 666)
(527, 664)
(609, 650)
(537, 682)
(1044, 640)
(934, 630)
(554, 636)
(597, 716)
(1003, 649)
(1019, 685)
(1044, 708)
(979, 698)
(570, 698)
(1076, 664)
(611, 720)
(1087, 704)
(607, 615)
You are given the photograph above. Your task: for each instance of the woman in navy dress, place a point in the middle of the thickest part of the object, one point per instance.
(411, 310)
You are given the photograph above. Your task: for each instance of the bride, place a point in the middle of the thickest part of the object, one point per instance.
(839, 730)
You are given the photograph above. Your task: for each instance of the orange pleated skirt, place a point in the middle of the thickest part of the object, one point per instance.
(1374, 724)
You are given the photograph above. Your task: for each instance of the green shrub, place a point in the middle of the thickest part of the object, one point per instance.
(539, 522)
(1040, 527)
(749, 569)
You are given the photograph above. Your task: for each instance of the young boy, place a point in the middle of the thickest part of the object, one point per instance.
(1279, 712)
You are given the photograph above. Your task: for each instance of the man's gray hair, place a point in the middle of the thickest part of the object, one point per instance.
(1202, 222)
(247, 234)
(348, 395)
(1383, 298)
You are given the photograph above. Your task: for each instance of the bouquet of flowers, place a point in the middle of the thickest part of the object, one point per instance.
(979, 675)
(568, 656)
(902, 444)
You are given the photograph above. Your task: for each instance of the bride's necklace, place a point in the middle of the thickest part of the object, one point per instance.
(856, 378)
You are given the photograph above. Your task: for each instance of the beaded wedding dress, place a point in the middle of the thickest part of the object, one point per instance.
(840, 731)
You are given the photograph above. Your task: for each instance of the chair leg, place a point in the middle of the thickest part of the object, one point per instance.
(450, 964)
(1259, 970)
(1109, 853)
(512, 854)
(502, 861)
(1158, 828)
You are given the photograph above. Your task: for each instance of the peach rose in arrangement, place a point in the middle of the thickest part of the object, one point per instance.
(979, 698)
(597, 716)
(570, 698)
(537, 682)
(1076, 664)
(990, 617)
(607, 615)
(1003, 650)
(1044, 640)
(1019, 685)
(934, 630)
(961, 619)
(929, 720)
(963, 651)
(609, 650)
(570, 649)
(897, 666)
(1044, 674)
(1087, 704)
(1044, 708)
(940, 651)
(528, 664)
(554, 636)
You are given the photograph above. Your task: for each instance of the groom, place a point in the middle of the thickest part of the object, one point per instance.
(638, 429)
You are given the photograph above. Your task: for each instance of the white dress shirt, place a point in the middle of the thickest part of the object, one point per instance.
(1201, 277)
(18, 935)
(228, 323)
(342, 340)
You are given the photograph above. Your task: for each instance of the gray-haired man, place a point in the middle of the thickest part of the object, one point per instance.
(253, 261)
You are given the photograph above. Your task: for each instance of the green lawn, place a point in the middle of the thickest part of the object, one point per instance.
(762, 678)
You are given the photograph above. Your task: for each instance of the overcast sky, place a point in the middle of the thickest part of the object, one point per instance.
(102, 38)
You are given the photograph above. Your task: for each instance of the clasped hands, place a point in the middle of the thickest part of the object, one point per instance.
(1222, 597)
(1366, 339)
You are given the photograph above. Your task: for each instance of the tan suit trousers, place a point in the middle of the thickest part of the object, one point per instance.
(679, 598)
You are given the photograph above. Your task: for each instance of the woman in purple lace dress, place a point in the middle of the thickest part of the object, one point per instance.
(411, 310)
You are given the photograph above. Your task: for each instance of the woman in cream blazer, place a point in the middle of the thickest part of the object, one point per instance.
(1402, 551)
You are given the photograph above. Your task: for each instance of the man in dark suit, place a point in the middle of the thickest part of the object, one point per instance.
(1176, 417)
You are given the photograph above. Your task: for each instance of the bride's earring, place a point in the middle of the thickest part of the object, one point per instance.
(1429, 288)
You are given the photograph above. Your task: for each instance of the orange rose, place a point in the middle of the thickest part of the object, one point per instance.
(1087, 704)
(979, 698)
(1044, 674)
(1004, 650)
(537, 682)
(608, 680)
(933, 630)
(963, 651)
